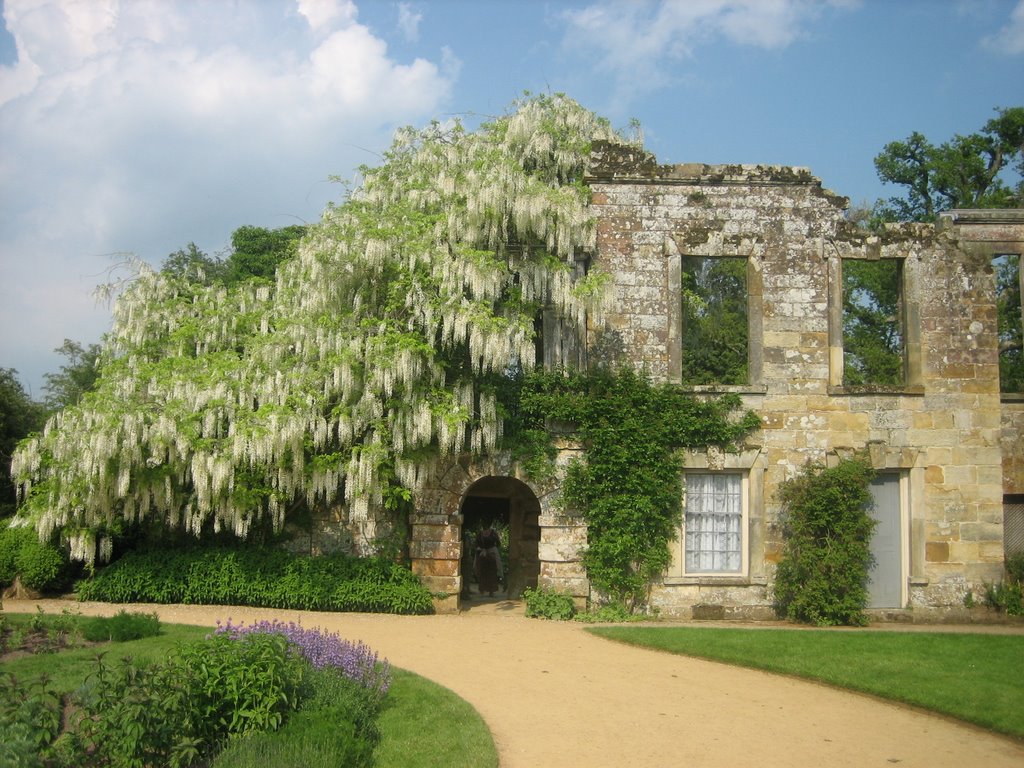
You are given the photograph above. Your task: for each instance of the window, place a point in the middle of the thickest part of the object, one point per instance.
(872, 323)
(1008, 311)
(715, 320)
(714, 523)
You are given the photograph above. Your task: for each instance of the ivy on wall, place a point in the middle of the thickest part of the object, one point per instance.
(628, 486)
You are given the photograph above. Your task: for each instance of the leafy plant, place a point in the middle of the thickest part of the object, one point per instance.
(822, 578)
(548, 604)
(121, 626)
(628, 486)
(42, 566)
(258, 576)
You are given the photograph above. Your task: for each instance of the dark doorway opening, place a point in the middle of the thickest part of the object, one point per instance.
(512, 509)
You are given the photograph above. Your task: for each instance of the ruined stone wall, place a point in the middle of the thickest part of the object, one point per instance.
(943, 432)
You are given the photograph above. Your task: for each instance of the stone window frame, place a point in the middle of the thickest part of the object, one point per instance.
(750, 464)
(910, 325)
(755, 315)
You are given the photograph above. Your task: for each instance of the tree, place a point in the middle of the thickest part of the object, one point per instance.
(714, 337)
(19, 416)
(379, 348)
(964, 172)
(76, 377)
(193, 264)
(257, 251)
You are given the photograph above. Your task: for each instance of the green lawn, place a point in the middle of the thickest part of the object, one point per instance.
(423, 725)
(974, 677)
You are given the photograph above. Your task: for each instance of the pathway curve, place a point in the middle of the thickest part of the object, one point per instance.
(554, 695)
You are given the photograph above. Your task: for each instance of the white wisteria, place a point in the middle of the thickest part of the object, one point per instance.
(374, 354)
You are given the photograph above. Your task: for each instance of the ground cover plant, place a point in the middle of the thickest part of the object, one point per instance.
(258, 576)
(972, 677)
(337, 719)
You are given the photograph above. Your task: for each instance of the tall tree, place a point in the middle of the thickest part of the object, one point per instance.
(19, 415)
(76, 377)
(257, 251)
(378, 348)
(965, 172)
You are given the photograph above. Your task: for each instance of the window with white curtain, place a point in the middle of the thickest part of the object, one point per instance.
(713, 540)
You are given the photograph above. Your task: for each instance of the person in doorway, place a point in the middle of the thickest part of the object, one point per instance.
(488, 566)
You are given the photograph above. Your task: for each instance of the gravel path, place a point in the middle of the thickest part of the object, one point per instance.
(554, 695)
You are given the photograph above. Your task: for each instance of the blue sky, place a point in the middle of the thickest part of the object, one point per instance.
(137, 126)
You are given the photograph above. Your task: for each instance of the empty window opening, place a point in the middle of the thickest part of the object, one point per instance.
(873, 332)
(715, 323)
(1008, 311)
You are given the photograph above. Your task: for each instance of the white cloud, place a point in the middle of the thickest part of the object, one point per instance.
(139, 125)
(325, 13)
(1009, 39)
(635, 40)
(409, 21)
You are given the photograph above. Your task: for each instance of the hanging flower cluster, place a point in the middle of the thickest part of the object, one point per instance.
(373, 355)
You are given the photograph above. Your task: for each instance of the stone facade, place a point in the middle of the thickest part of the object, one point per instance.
(946, 440)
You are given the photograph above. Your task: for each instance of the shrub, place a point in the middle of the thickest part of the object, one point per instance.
(268, 578)
(323, 650)
(42, 566)
(549, 604)
(172, 713)
(1005, 596)
(121, 626)
(822, 578)
(1015, 568)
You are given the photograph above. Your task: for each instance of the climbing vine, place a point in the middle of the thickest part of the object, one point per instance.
(628, 485)
(823, 576)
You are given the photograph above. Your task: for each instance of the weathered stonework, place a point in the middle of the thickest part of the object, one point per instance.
(952, 441)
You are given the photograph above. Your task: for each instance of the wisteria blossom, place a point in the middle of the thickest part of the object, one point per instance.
(373, 354)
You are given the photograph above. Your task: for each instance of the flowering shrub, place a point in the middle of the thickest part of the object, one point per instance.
(357, 661)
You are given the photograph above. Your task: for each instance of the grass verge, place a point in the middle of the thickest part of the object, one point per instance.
(972, 677)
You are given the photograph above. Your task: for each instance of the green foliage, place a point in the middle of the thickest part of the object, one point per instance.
(611, 613)
(964, 172)
(872, 329)
(222, 403)
(30, 719)
(1015, 567)
(20, 415)
(316, 738)
(1008, 595)
(714, 336)
(548, 604)
(76, 377)
(263, 577)
(1011, 332)
(257, 251)
(42, 566)
(1005, 596)
(174, 712)
(628, 487)
(822, 578)
(122, 626)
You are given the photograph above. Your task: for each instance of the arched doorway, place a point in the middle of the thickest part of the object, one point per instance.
(512, 507)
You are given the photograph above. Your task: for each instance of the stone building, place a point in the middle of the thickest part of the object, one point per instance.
(946, 443)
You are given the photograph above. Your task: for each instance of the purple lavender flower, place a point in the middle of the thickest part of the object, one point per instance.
(357, 661)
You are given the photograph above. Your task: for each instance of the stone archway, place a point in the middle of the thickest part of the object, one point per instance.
(548, 542)
(513, 506)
